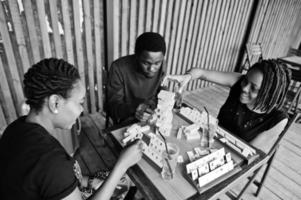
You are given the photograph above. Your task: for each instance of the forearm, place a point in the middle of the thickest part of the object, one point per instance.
(107, 188)
(222, 78)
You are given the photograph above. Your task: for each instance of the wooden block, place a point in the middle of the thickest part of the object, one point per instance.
(228, 157)
(234, 147)
(204, 160)
(223, 140)
(194, 174)
(203, 169)
(179, 134)
(246, 152)
(205, 179)
(180, 159)
(190, 156)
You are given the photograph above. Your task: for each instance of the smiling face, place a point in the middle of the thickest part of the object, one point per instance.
(250, 87)
(72, 107)
(150, 62)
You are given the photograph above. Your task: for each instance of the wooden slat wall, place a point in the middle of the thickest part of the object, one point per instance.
(277, 27)
(208, 33)
(33, 30)
(205, 34)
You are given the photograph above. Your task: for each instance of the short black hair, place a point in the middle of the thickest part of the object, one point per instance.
(47, 77)
(275, 84)
(150, 41)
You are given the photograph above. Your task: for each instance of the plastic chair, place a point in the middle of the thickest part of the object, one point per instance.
(271, 154)
(253, 53)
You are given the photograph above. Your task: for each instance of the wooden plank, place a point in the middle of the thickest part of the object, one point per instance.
(167, 31)
(212, 32)
(149, 14)
(90, 61)
(293, 135)
(98, 58)
(289, 174)
(232, 42)
(15, 14)
(190, 39)
(279, 26)
(273, 25)
(163, 17)
(291, 146)
(79, 46)
(205, 40)
(172, 39)
(67, 31)
(195, 38)
(240, 29)
(6, 97)
(200, 40)
(33, 38)
(124, 27)
(55, 28)
(185, 40)
(266, 193)
(286, 156)
(116, 28)
(141, 17)
(289, 189)
(133, 26)
(178, 39)
(13, 75)
(155, 19)
(43, 29)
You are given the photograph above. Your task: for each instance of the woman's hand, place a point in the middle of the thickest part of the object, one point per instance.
(132, 154)
(182, 80)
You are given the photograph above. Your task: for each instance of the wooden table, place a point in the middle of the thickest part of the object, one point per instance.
(148, 179)
(294, 61)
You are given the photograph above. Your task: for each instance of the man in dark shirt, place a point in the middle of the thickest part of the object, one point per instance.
(134, 80)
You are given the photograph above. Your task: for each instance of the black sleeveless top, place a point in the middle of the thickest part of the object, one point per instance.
(241, 121)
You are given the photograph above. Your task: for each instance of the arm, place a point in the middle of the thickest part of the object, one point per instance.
(266, 139)
(117, 107)
(128, 158)
(221, 78)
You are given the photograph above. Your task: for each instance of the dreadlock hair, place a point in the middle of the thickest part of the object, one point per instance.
(150, 41)
(47, 77)
(275, 83)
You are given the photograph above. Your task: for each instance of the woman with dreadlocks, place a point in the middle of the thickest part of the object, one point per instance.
(252, 110)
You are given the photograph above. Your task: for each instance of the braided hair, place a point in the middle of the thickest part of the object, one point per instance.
(275, 83)
(47, 77)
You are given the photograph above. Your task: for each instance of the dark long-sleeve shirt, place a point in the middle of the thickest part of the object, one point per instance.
(128, 87)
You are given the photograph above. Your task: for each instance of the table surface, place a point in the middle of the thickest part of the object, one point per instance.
(148, 178)
(293, 60)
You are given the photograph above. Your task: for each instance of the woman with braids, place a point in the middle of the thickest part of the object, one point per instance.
(253, 108)
(33, 163)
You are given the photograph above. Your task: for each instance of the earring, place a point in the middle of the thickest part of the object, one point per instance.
(56, 111)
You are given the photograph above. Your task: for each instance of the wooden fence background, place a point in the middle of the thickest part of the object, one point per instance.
(205, 33)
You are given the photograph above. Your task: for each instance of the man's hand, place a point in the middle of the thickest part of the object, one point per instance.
(143, 112)
(182, 80)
